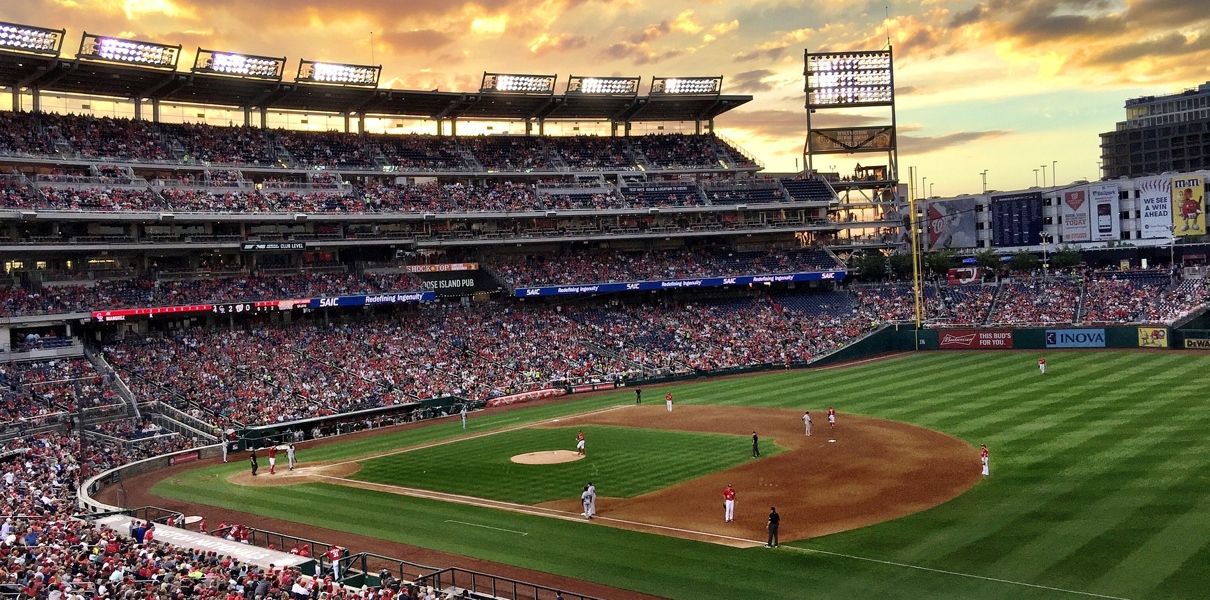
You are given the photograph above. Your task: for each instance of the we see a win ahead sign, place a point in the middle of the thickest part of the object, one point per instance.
(962, 339)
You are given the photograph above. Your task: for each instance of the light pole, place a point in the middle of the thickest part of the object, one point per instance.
(1054, 171)
(1045, 235)
(1035, 178)
(1171, 254)
(924, 182)
(1043, 175)
(984, 174)
(930, 190)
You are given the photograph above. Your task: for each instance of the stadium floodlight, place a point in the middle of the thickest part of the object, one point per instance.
(239, 65)
(148, 54)
(334, 73)
(850, 78)
(686, 85)
(518, 84)
(26, 38)
(605, 86)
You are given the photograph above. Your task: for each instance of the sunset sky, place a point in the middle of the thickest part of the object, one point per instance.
(1003, 85)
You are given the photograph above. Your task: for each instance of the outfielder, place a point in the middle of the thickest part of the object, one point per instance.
(728, 504)
(806, 420)
(983, 457)
(1042, 364)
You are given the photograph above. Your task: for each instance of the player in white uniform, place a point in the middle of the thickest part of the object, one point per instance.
(290, 455)
(464, 416)
(586, 499)
(983, 457)
(728, 504)
(580, 443)
(592, 500)
(831, 417)
(806, 420)
(1042, 365)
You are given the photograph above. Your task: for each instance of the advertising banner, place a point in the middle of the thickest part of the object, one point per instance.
(1075, 338)
(1188, 205)
(373, 299)
(1104, 200)
(1075, 216)
(1017, 219)
(602, 288)
(1192, 344)
(1155, 207)
(983, 339)
(951, 224)
(1153, 337)
(443, 268)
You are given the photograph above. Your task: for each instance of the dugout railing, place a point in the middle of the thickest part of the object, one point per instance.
(485, 586)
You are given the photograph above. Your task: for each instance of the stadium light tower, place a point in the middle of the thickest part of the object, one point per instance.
(133, 52)
(310, 71)
(686, 85)
(603, 86)
(518, 84)
(238, 65)
(31, 40)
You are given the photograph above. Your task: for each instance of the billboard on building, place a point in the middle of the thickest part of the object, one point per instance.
(1155, 207)
(1188, 205)
(951, 224)
(1075, 216)
(1017, 219)
(1103, 201)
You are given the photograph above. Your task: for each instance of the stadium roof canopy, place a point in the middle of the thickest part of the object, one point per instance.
(94, 78)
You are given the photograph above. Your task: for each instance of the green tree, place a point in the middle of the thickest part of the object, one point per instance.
(939, 263)
(987, 259)
(1065, 258)
(1023, 261)
(870, 265)
(901, 265)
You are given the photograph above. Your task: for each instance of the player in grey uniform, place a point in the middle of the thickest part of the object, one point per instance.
(290, 455)
(592, 500)
(806, 420)
(586, 500)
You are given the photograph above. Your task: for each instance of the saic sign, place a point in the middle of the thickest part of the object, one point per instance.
(601, 288)
(1075, 338)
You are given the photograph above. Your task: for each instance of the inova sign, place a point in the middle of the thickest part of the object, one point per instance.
(1075, 338)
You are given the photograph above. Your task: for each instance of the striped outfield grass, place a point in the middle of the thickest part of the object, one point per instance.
(1099, 486)
(622, 462)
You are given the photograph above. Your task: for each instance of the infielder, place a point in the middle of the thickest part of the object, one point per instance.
(806, 420)
(983, 457)
(290, 455)
(586, 499)
(592, 500)
(464, 416)
(580, 443)
(272, 458)
(1042, 365)
(831, 418)
(728, 504)
(668, 401)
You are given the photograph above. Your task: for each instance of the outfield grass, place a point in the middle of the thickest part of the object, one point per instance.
(1098, 485)
(621, 462)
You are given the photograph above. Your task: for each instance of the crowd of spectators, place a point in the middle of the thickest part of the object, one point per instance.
(106, 138)
(611, 267)
(593, 153)
(1038, 302)
(224, 145)
(330, 149)
(678, 151)
(130, 293)
(104, 199)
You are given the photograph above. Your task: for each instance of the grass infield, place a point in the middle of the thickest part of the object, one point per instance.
(1098, 487)
(621, 462)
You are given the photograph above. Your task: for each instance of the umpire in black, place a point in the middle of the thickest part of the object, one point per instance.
(774, 521)
(252, 460)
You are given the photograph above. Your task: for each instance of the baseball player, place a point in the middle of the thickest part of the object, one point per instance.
(222, 438)
(290, 455)
(831, 417)
(1042, 364)
(580, 443)
(586, 499)
(983, 457)
(806, 420)
(592, 500)
(272, 458)
(668, 401)
(728, 504)
(755, 445)
(464, 416)
(252, 459)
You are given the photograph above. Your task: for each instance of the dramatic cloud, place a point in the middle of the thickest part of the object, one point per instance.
(770, 123)
(416, 41)
(751, 81)
(916, 145)
(562, 42)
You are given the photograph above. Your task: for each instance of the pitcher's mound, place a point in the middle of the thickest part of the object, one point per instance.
(548, 457)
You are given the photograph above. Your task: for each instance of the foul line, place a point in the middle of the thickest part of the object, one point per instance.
(471, 437)
(486, 526)
(955, 573)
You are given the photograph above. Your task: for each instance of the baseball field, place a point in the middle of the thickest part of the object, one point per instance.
(1098, 483)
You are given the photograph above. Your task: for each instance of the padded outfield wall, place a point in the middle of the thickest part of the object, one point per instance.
(1056, 338)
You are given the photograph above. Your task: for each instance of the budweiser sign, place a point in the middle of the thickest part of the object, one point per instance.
(975, 340)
